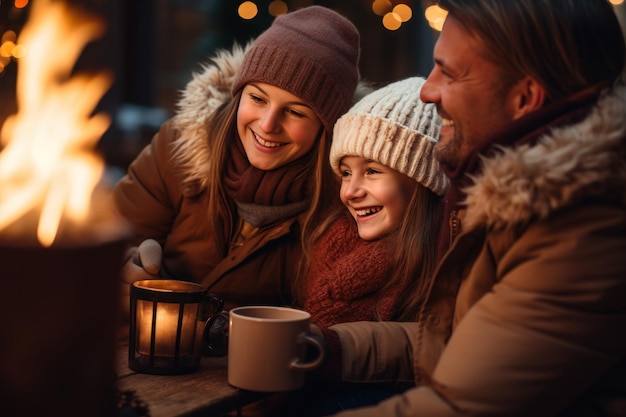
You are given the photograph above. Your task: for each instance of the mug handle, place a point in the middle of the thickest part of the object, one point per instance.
(215, 335)
(315, 341)
(213, 304)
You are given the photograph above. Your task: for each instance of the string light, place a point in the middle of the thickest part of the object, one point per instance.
(404, 12)
(391, 21)
(277, 8)
(20, 4)
(393, 16)
(381, 7)
(435, 16)
(247, 10)
(9, 49)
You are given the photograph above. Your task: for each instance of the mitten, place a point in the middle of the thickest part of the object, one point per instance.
(141, 262)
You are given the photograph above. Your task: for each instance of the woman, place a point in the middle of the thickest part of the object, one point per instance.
(226, 186)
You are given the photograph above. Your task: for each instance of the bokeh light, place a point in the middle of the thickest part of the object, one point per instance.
(6, 49)
(435, 16)
(9, 49)
(19, 51)
(391, 21)
(380, 7)
(20, 4)
(277, 8)
(247, 10)
(9, 36)
(404, 12)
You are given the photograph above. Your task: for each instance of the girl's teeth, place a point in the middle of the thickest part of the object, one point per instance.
(368, 211)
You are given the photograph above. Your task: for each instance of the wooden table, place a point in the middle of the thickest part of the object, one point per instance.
(205, 392)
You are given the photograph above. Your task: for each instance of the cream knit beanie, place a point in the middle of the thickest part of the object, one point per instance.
(394, 127)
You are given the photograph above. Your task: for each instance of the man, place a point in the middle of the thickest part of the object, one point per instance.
(527, 311)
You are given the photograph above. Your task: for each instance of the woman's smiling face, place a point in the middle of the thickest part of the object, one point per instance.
(376, 196)
(275, 126)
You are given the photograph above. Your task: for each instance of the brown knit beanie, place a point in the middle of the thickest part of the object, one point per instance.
(313, 53)
(394, 127)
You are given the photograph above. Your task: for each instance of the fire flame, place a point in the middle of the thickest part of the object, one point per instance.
(47, 163)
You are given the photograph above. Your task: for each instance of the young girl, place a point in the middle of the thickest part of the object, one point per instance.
(374, 260)
(225, 187)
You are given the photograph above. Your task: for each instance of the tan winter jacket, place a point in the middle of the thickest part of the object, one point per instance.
(527, 316)
(153, 198)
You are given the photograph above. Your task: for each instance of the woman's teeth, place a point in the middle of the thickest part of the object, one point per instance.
(265, 143)
(447, 122)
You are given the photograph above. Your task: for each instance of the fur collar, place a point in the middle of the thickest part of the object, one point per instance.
(585, 160)
(206, 91)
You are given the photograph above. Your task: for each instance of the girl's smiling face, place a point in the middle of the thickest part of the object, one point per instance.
(376, 196)
(274, 126)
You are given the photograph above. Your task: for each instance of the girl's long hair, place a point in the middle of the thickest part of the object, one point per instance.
(325, 208)
(415, 254)
(324, 204)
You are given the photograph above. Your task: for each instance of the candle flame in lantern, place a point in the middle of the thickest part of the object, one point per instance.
(47, 162)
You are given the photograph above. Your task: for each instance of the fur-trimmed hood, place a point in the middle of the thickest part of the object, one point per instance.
(207, 90)
(584, 160)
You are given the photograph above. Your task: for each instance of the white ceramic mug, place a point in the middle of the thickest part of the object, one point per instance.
(266, 348)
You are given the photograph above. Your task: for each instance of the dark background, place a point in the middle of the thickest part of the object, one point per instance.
(153, 46)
